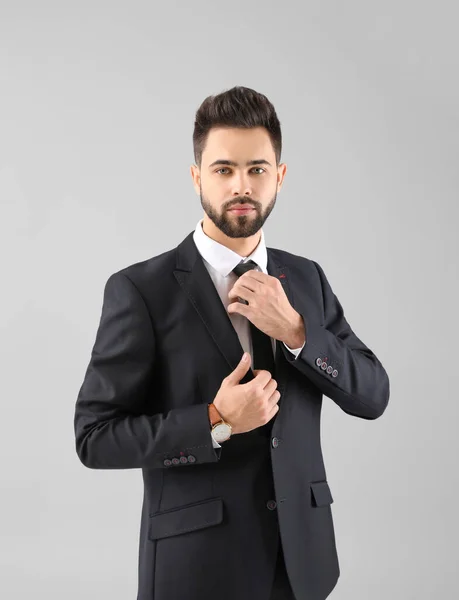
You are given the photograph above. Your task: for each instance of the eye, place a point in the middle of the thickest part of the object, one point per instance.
(252, 169)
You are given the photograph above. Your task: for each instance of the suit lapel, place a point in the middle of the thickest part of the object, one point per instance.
(192, 275)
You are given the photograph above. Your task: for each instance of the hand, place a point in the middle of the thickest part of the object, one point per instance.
(246, 406)
(269, 308)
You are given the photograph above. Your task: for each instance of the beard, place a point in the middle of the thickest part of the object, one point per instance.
(238, 226)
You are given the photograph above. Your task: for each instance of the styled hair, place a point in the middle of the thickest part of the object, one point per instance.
(237, 107)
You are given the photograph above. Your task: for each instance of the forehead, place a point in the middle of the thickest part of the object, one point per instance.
(238, 144)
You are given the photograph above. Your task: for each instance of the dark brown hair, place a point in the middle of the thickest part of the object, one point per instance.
(237, 107)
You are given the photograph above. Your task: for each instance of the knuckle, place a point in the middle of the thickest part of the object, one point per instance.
(259, 391)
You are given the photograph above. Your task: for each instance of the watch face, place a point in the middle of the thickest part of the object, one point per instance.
(221, 432)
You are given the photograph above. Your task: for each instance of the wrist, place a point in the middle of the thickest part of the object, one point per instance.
(297, 336)
(221, 430)
(213, 414)
(209, 411)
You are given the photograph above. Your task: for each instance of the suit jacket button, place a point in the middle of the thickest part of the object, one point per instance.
(275, 442)
(183, 459)
(318, 361)
(323, 366)
(271, 504)
(191, 458)
(335, 373)
(167, 462)
(175, 461)
(329, 369)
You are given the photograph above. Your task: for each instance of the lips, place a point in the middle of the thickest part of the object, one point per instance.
(242, 211)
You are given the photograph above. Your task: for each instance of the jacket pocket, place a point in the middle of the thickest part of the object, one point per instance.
(186, 518)
(320, 493)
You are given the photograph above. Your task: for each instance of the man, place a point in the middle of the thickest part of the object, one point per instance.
(236, 499)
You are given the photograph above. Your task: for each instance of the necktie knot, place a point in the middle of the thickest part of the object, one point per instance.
(243, 267)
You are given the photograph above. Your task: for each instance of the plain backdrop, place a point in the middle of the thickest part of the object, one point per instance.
(97, 105)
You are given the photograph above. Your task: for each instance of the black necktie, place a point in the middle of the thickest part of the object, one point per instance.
(263, 357)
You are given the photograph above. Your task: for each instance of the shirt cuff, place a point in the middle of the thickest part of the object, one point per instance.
(294, 351)
(215, 444)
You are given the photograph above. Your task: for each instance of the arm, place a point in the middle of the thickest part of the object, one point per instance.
(358, 382)
(111, 431)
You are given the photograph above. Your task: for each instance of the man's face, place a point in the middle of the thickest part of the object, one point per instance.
(222, 185)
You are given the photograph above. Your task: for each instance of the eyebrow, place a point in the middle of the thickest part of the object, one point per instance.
(221, 161)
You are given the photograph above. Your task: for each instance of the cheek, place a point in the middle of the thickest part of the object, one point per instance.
(214, 191)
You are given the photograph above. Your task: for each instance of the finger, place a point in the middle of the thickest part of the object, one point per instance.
(245, 294)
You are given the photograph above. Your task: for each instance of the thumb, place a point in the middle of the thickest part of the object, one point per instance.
(242, 367)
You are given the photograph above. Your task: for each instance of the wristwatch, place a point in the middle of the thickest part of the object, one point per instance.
(221, 430)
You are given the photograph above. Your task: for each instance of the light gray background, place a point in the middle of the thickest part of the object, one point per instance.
(97, 107)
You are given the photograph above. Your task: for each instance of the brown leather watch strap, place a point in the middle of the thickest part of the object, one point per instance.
(214, 415)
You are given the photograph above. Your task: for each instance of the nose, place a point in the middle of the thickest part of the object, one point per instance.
(241, 187)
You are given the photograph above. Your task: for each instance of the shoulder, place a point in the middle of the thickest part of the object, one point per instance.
(295, 262)
(141, 273)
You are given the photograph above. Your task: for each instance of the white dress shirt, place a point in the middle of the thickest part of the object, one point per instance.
(220, 262)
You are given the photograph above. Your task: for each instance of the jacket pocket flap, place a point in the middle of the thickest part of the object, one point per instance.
(186, 518)
(321, 493)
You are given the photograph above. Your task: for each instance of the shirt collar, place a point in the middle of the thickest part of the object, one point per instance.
(222, 258)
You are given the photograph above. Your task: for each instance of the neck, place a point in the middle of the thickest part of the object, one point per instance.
(242, 246)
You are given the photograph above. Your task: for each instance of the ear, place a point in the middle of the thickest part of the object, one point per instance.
(196, 177)
(281, 171)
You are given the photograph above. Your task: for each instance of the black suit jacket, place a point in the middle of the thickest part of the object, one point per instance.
(210, 517)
